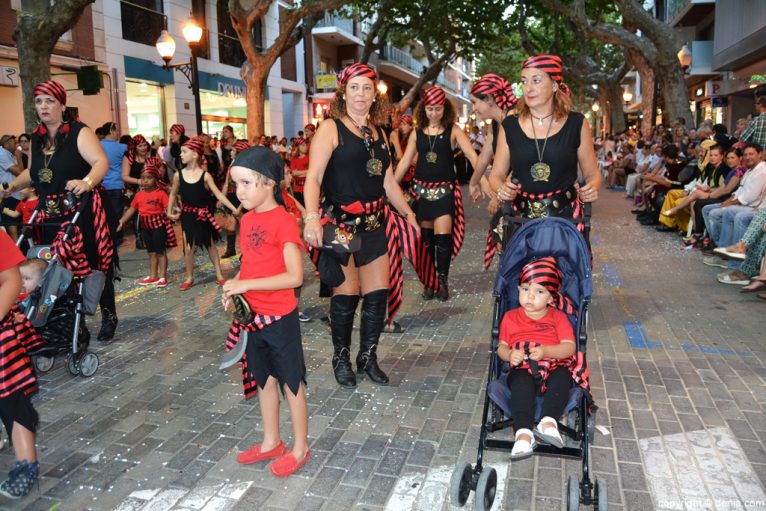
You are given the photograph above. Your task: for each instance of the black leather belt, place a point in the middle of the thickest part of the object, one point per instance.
(352, 223)
(432, 194)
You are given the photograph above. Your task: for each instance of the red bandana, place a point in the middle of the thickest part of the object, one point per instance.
(196, 145)
(51, 88)
(497, 87)
(178, 128)
(241, 145)
(405, 120)
(434, 96)
(309, 127)
(552, 65)
(355, 70)
(545, 272)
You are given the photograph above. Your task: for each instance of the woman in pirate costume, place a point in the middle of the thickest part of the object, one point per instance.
(193, 186)
(68, 159)
(547, 142)
(399, 139)
(435, 189)
(350, 163)
(230, 191)
(132, 165)
(492, 98)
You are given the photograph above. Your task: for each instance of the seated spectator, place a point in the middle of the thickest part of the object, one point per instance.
(728, 221)
(624, 165)
(676, 211)
(752, 247)
(656, 184)
(647, 158)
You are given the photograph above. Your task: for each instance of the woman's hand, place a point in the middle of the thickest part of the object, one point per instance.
(516, 358)
(537, 353)
(508, 191)
(486, 190)
(413, 221)
(493, 206)
(587, 193)
(312, 232)
(474, 191)
(78, 186)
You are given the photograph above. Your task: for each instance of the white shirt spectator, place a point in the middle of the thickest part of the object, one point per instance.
(752, 189)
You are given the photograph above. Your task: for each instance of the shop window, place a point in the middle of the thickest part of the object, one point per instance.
(229, 49)
(145, 109)
(142, 20)
(198, 12)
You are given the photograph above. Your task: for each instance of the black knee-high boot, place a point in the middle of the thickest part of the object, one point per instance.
(231, 249)
(427, 235)
(443, 244)
(342, 309)
(374, 308)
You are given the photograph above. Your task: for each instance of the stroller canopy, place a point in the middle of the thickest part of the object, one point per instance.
(544, 237)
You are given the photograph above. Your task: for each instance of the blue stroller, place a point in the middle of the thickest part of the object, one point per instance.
(535, 239)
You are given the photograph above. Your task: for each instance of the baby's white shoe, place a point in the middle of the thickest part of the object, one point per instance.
(550, 434)
(523, 448)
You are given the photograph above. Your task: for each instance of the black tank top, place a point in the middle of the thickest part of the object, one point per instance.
(66, 164)
(136, 168)
(346, 179)
(444, 167)
(194, 194)
(560, 154)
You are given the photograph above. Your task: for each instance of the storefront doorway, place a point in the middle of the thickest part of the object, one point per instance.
(146, 109)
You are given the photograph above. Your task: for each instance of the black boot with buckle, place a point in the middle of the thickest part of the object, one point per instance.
(374, 308)
(443, 244)
(342, 309)
(427, 236)
(108, 325)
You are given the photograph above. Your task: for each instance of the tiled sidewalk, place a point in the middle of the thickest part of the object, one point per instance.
(677, 365)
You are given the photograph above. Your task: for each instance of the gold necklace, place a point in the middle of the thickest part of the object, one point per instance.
(45, 174)
(431, 156)
(541, 171)
(374, 166)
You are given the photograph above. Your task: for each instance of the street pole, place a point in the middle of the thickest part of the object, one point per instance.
(195, 87)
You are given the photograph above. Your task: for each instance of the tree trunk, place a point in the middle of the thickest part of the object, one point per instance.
(646, 73)
(675, 94)
(34, 67)
(617, 117)
(605, 111)
(255, 76)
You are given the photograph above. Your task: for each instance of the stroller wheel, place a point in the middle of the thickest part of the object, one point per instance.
(460, 485)
(88, 365)
(573, 494)
(73, 364)
(602, 502)
(43, 363)
(485, 489)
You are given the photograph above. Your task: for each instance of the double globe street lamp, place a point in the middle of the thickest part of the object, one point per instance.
(166, 47)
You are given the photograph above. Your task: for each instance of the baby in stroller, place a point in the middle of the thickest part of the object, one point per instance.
(538, 341)
(32, 271)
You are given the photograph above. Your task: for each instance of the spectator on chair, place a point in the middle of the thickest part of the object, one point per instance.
(756, 132)
(752, 245)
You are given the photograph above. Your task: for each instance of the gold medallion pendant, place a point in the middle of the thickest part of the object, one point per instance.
(374, 167)
(431, 157)
(45, 175)
(541, 171)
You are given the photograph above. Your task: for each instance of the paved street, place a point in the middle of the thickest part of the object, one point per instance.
(677, 370)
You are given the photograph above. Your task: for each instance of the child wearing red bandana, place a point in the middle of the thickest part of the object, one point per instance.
(538, 341)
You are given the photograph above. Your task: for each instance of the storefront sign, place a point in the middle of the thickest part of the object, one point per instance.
(320, 109)
(723, 87)
(9, 76)
(232, 91)
(327, 81)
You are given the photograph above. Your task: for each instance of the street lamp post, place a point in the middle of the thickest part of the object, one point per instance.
(166, 46)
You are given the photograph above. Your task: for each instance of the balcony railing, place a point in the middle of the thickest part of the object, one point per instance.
(393, 54)
(344, 24)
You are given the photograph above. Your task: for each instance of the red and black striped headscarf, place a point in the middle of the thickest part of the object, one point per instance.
(434, 96)
(552, 65)
(178, 128)
(405, 119)
(497, 87)
(354, 70)
(546, 272)
(51, 88)
(309, 127)
(196, 145)
(153, 167)
(241, 145)
(299, 141)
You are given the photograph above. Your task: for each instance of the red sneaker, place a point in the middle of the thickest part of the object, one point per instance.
(162, 283)
(221, 282)
(254, 454)
(186, 286)
(146, 281)
(287, 464)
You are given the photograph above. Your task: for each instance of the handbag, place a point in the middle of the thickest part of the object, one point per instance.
(340, 240)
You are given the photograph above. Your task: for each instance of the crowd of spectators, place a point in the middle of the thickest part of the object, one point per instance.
(704, 184)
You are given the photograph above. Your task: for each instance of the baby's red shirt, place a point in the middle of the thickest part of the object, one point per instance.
(262, 238)
(150, 203)
(549, 330)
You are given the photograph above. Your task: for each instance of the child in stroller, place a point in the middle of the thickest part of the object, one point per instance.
(539, 242)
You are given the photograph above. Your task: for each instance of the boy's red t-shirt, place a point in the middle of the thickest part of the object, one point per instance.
(299, 163)
(549, 330)
(10, 255)
(262, 238)
(150, 203)
(26, 208)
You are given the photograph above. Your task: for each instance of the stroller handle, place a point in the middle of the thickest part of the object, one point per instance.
(26, 232)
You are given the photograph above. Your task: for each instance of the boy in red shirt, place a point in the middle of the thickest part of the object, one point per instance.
(157, 232)
(299, 167)
(17, 379)
(24, 209)
(271, 268)
(538, 335)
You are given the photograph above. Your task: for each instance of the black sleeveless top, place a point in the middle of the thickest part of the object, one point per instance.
(136, 168)
(194, 194)
(560, 154)
(346, 179)
(444, 167)
(66, 163)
